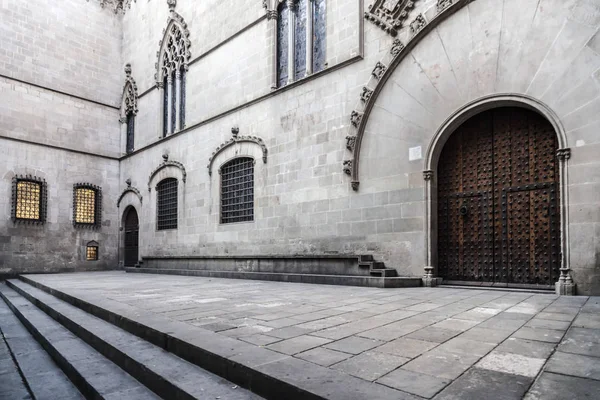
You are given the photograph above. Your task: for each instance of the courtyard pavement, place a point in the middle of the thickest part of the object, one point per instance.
(442, 343)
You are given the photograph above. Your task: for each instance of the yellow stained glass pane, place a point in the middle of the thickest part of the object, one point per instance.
(85, 206)
(28, 200)
(92, 253)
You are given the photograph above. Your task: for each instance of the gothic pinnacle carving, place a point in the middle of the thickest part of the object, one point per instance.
(172, 4)
(397, 48)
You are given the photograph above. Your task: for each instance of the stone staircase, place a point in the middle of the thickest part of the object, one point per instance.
(349, 270)
(63, 352)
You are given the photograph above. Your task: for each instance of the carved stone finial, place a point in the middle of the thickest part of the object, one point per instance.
(397, 48)
(165, 156)
(235, 131)
(379, 70)
(443, 4)
(348, 167)
(366, 94)
(428, 175)
(350, 142)
(128, 69)
(128, 182)
(356, 118)
(418, 24)
(172, 4)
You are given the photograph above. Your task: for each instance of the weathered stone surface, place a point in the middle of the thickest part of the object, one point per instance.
(413, 382)
(556, 387)
(481, 383)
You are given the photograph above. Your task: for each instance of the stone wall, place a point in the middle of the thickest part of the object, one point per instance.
(60, 89)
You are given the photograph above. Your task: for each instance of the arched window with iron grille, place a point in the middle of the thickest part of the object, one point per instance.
(237, 190)
(166, 204)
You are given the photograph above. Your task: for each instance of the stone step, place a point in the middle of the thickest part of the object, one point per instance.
(159, 370)
(272, 375)
(94, 375)
(351, 280)
(44, 379)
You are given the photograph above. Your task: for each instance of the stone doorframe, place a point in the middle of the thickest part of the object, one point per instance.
(565, 285)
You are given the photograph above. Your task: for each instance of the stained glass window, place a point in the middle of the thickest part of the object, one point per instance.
(130, 132)
(237, 190)
(282, 44)
(174, 95)
(165, 107)
(300, 40)
(319, 34)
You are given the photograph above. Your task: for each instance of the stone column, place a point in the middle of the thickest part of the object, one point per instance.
(565, 285)
(272, 16)
(177, 101)
(169, 104)
(291, 41)
(309, 37)
(428, 279)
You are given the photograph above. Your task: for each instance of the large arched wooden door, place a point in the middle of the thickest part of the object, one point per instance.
(132, 233)
(498, 200)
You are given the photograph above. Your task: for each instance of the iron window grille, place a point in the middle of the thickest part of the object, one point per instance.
(87, 205)
(91, 253)
(29, 200)
(237, 191)
(166, 209)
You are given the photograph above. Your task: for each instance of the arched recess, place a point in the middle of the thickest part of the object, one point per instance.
(171, 69)
(237, 143)
(431, 172)
(131, 235)
(169, 165)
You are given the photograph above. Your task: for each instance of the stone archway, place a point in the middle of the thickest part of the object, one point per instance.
(498, 208)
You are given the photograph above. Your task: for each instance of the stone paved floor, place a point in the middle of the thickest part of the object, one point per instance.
(442, 342)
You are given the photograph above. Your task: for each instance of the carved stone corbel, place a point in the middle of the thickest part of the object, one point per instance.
(348, 167)
(356, 118)
(418, 24)
(350, 142)
(366, 94)
(379, 70)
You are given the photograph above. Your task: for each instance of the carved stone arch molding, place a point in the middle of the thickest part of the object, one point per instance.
(130, 189)
(166, 164)
(390, 16)
(174, 47)
(129, 98)
(236, 140)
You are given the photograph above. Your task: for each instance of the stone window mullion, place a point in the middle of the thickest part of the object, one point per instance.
(309, 37)
(169, 104)
(291, 40)
(177, 100)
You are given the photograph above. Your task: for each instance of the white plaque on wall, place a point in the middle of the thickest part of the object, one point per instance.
(414, 153)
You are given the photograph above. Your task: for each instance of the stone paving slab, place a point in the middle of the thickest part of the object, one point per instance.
(441, 343)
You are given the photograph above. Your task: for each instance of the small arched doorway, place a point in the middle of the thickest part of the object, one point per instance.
(132, 233)
(498, 209)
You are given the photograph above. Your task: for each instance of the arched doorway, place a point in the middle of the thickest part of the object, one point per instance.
(498, 212)
(132, 231)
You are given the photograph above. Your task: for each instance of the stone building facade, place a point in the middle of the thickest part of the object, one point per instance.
(357, 146)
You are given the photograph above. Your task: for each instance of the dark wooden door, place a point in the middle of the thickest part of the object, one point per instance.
(132, 232)
(498, 216)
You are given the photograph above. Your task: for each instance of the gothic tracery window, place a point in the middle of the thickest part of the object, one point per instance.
(174, 56)
(301, 32)
(129, 109)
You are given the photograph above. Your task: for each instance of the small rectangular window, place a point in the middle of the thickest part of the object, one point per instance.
(91, 253)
